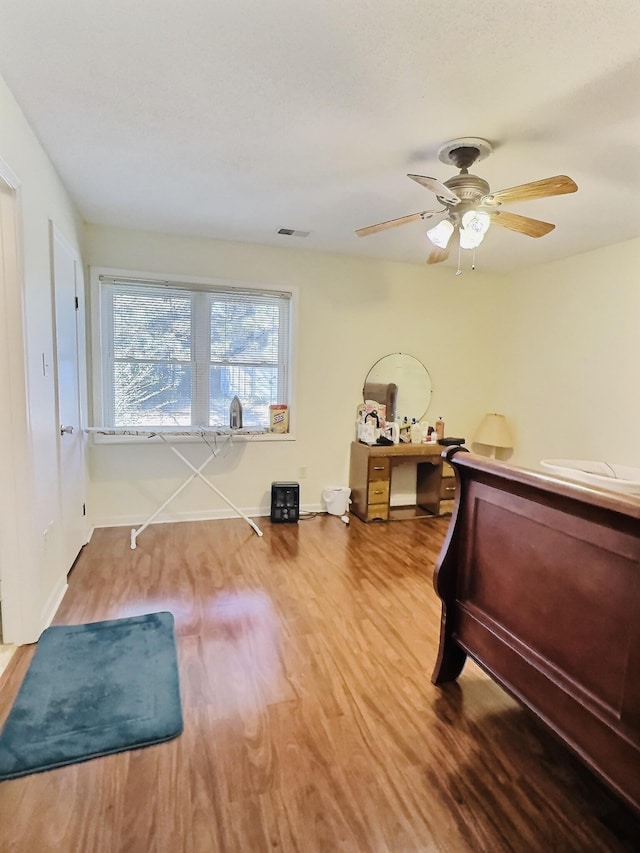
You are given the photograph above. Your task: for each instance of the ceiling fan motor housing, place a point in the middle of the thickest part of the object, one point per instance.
(469, 188)
(462, 153)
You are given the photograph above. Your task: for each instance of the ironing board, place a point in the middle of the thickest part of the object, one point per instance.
(165, 435)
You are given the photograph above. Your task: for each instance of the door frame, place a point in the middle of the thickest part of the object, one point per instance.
(19, 596)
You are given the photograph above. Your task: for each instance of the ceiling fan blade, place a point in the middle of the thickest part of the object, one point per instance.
(438, 255)
(558, 185)
(436, 187)
(391, 223)
(521, 224)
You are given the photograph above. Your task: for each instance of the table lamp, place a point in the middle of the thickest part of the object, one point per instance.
(494, 432)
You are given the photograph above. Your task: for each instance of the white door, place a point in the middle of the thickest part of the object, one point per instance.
(71, 441)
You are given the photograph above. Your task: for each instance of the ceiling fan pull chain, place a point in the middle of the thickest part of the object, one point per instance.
(473, 259)
(459, 271)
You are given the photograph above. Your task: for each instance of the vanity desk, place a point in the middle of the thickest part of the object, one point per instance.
(370, 473)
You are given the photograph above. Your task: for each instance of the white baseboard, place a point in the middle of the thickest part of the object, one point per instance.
(53, 602)
(198, 515)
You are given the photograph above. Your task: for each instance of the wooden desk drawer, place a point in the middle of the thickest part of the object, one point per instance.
(378, 492)
(447, 470)
(378, 511)
(448, 489)
(379, 469)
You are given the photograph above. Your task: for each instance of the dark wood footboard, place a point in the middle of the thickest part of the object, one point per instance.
(540, 585)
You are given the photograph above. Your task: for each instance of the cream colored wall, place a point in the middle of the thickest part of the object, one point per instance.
(41, 197)
(571, 357)
(350, 312)
(553, 348)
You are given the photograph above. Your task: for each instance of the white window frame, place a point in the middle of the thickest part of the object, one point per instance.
(96, 275)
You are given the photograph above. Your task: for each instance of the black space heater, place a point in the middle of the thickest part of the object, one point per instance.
(285, 502)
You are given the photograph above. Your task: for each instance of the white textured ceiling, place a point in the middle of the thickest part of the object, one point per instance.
(233, 119)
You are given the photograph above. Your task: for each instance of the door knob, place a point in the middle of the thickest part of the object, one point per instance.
(67, 429)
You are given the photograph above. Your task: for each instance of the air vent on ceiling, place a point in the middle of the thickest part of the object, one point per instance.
(291, 232)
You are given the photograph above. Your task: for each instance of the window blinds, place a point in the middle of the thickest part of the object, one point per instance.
(176, 354)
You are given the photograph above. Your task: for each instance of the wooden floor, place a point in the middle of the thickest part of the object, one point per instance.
(310, 720)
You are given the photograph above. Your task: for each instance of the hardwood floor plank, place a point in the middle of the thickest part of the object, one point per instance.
(311, 725)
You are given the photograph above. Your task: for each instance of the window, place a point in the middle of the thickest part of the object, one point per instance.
(176, 354)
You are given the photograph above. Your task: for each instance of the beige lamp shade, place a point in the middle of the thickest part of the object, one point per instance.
(494, 431)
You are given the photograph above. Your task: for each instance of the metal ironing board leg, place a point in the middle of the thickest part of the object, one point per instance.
(137, 531)
(196, 472)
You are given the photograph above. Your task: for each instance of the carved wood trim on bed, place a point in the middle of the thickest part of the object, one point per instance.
(540, 584)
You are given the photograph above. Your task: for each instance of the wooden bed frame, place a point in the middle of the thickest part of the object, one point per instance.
(540, 585)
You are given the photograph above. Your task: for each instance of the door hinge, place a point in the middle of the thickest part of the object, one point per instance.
(84, 509)
(77, 303)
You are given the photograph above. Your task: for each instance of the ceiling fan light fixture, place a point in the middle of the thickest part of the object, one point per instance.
(476, 221)
(475, 224)
(470, 239)
(441, 234)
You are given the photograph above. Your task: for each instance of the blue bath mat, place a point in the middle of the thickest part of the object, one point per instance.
(92, 690)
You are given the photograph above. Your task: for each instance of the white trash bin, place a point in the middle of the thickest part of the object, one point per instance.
(337, 499)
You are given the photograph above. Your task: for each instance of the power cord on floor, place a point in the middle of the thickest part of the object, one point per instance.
(305, 516)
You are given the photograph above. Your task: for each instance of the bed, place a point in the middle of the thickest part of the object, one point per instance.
(540, 584)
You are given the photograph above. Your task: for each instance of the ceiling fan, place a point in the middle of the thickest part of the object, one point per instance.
(469, 206)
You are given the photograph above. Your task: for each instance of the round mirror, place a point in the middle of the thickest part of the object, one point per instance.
(402, 383)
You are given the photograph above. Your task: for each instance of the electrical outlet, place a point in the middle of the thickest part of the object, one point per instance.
(302, 472)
